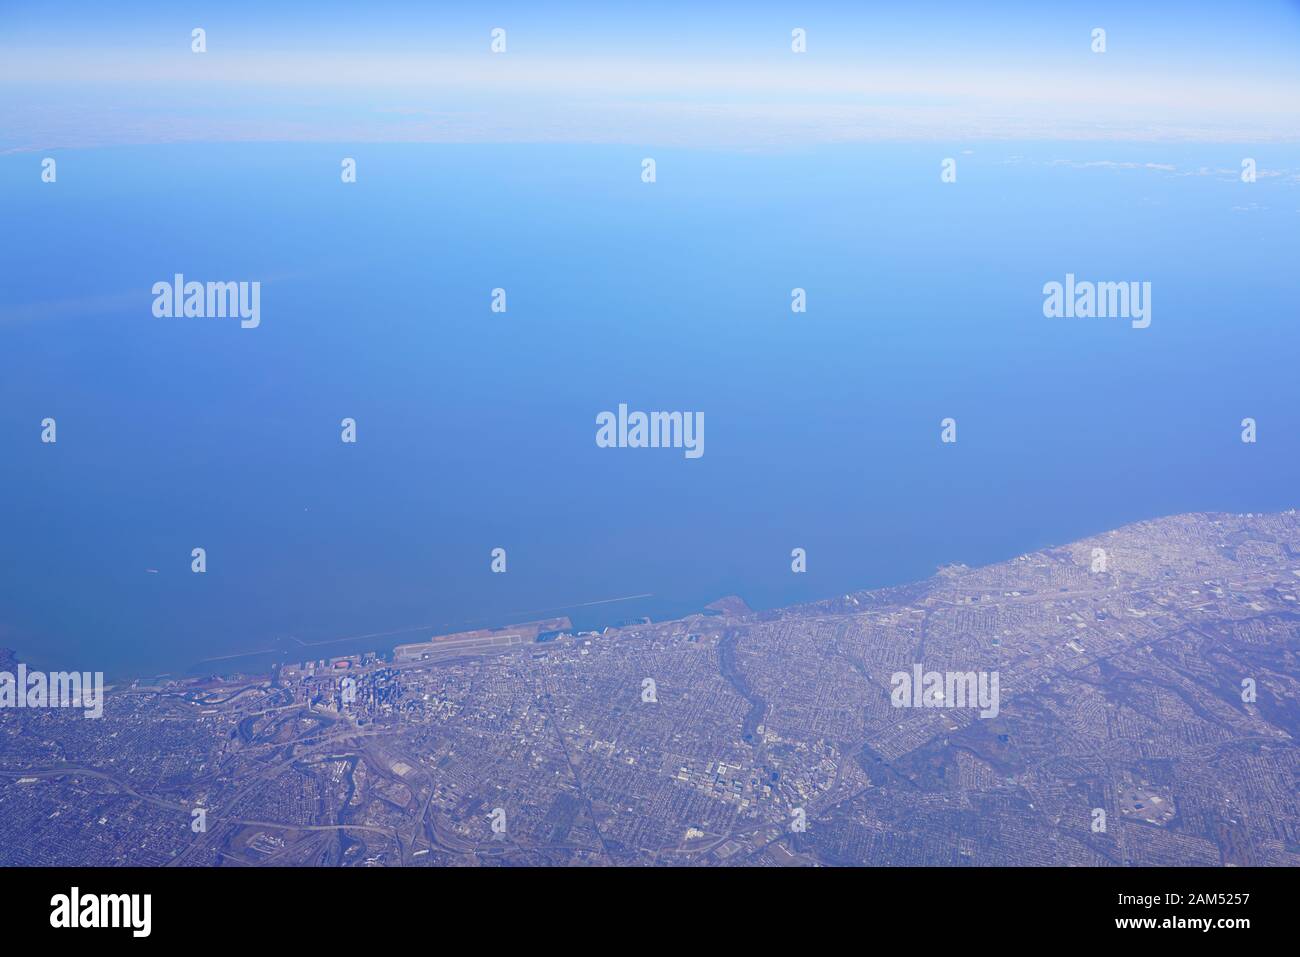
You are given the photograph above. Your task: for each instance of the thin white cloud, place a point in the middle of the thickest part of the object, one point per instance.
(122, 97)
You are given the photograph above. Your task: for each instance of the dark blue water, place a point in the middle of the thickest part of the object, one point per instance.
(476, 430)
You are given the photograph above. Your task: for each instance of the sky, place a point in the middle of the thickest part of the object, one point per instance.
(669, 74)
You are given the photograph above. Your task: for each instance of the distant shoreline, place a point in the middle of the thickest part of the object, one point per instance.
(262, 662)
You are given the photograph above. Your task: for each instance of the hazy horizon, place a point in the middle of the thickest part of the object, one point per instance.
(671, 75)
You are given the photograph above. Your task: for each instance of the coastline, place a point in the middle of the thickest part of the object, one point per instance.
(599, 616)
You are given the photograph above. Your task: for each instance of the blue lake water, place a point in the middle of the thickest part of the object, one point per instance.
(476, 430)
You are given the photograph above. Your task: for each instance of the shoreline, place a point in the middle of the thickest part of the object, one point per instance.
(294, 651)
